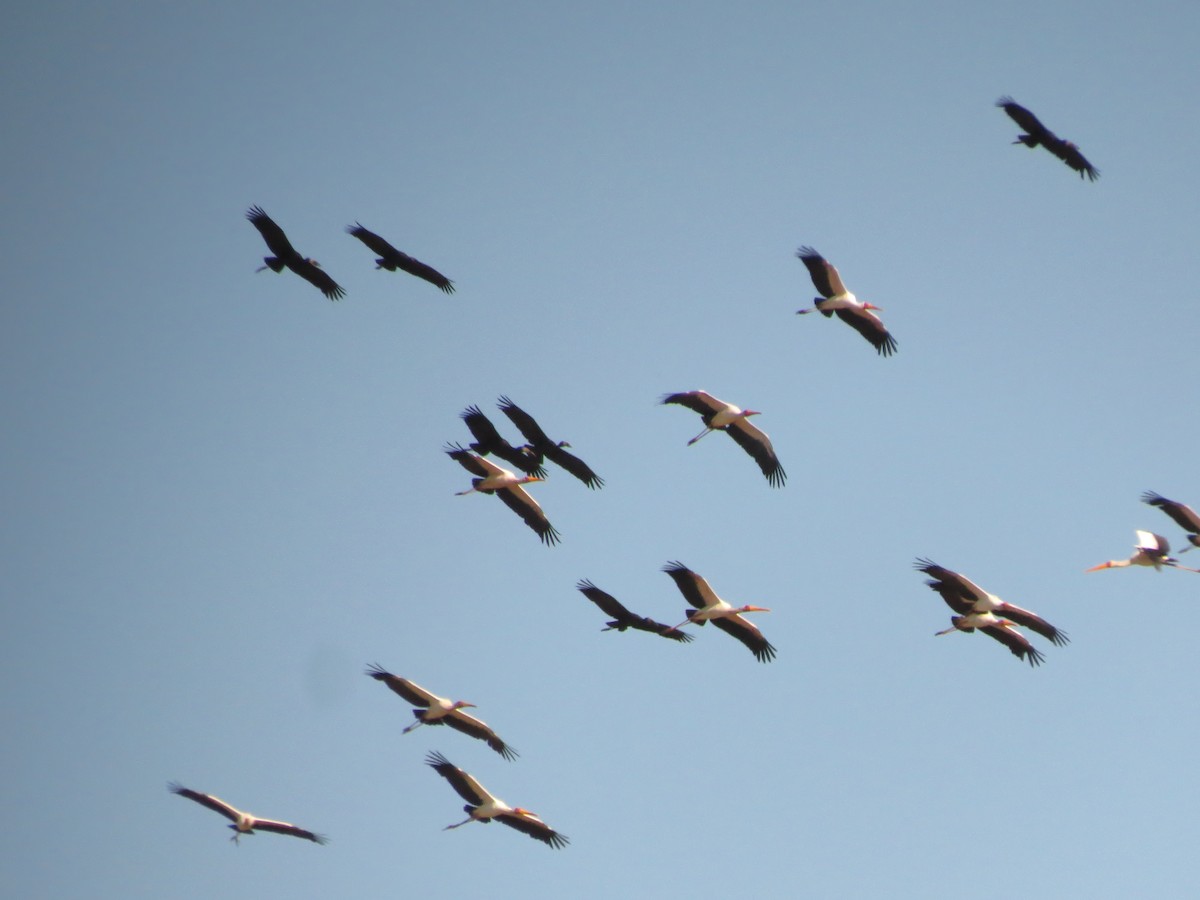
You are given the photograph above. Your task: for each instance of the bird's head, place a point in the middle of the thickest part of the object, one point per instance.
(463, 704)
(563, 444)
(522, 811)
(872, 306)
(313, 262)
(749, 608)
(529, 479)
(747, 413)
(1103, 565)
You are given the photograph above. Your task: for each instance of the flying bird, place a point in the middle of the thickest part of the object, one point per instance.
(483, 806)
(1184, 516)
(488, 441)
(711, 608)
(622, 618)
(1037, 133)
(735, 422)
(1002, 630)
(836, 299)
(1150, 550)
(435, 710)
(243, 822)
(965, 597)
(507, 486)
(392, 259)
(551, 450)
(285, 255)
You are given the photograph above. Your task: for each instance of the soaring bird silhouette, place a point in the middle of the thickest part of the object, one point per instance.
(286, 256)
(1036, 133)
(392, 259)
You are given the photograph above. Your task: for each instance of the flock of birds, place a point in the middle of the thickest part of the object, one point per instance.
(974, 609)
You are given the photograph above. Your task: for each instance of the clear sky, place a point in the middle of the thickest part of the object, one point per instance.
(225, 495)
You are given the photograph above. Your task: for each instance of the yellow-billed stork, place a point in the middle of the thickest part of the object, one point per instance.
(243, 822)
(735, 422)
(435, 710)
(1150, 550)
(507, 486)
(836, 299)
(1003, 630)
(708, 607)
(964, 597)
(483, 806)
(1184, 516)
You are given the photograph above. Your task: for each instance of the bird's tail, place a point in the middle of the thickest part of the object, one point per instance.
(1027, 139)
(274, 263)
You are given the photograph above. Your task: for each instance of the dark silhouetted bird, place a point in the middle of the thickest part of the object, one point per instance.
(285, 255)
(392, 259)
(1036, 133)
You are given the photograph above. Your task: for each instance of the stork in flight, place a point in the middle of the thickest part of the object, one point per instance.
(1003, 630)
(489, 442)
(1150, 550)
(507, 486)
(555, 451)
(483, 806)
(964, 596)
(392, 259)
(435, 710)
(708, 607)
(1036, 133)
(243, 822)
(285, 255)
(622, 618)
(1183, 516)
(836, 299)
(735, 422)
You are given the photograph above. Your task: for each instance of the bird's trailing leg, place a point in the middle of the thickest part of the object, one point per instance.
(416, 724)
(457, 824)
(686, 621)
(700, 435)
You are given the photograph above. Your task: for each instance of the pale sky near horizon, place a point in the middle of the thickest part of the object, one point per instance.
(226, 495)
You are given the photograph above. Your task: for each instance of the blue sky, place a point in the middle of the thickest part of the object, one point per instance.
(226, 495)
